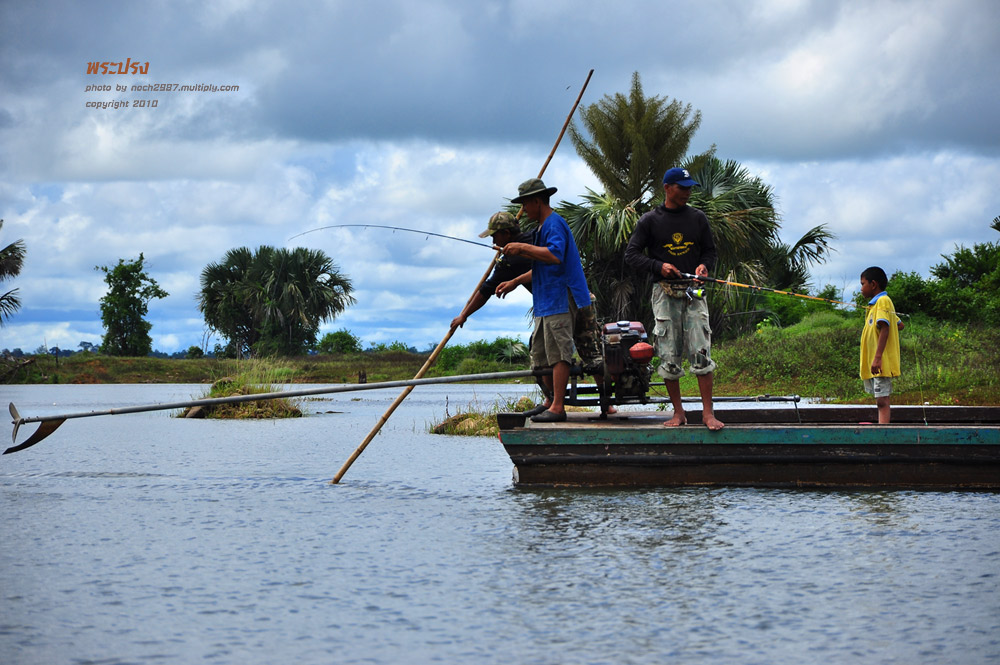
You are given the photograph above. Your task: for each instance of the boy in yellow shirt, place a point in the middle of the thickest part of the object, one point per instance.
(879, 340)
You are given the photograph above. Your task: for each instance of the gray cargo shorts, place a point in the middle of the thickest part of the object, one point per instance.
(879, 386)
(682, 332)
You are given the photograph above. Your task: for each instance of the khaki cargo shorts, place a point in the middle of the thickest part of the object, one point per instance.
(552, 341)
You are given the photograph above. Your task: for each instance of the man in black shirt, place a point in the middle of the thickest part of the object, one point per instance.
(671, 239)
(504, 229)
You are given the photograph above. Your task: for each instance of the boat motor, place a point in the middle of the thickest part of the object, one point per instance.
(627, 369)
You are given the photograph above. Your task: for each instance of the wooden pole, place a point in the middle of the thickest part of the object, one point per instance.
(451, 331)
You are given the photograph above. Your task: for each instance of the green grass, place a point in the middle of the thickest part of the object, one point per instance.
(251, 377)
(478, 419)
(943, 363)
(341, 368)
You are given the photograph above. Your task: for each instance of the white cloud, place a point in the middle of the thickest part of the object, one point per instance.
(876, 119)
(900, 212)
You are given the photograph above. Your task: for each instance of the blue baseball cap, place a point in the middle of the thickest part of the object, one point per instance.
(679, 177)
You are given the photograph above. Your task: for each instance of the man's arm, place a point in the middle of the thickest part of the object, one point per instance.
(503, 288)
(635, 255)
(475, 302)
(533, 252)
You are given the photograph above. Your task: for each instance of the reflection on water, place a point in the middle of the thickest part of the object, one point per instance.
(145, 538)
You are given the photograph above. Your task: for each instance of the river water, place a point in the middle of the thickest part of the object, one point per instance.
(149, 539)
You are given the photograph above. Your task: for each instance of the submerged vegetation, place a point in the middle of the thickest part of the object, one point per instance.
(249, 377)
(478, 419)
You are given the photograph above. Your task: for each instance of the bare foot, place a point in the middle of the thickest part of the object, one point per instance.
(678, 420)
(713, 423)
(612, 409)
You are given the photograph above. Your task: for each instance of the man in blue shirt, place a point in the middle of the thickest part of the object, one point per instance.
(559, 290)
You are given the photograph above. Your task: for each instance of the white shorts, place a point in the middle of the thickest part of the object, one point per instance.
(880, 386)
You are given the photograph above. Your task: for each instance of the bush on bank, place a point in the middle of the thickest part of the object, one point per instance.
(943, 363)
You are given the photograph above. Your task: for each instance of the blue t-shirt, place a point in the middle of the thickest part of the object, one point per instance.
(550, 281)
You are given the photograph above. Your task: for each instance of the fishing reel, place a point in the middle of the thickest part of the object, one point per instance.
(693, 293)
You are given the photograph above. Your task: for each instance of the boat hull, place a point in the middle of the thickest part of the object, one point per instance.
(831, 447)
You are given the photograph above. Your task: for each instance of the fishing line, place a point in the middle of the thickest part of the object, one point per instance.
(392, 228)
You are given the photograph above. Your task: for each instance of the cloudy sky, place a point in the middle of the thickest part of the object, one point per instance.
(876, 118)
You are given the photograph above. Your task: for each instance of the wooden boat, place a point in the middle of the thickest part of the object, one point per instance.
(798, 447)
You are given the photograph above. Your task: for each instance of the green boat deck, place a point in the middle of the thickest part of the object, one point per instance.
(957, 448)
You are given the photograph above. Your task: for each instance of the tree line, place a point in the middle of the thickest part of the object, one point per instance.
(272, 301)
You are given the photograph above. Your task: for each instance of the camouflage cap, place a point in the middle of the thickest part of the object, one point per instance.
(499, 222)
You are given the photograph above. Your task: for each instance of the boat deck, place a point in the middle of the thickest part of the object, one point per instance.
(925, 447)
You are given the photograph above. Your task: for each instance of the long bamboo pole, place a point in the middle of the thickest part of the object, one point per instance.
(451, 331)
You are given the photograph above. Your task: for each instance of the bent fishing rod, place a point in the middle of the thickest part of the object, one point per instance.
(49, 424)
(392, 228)
(753, 287)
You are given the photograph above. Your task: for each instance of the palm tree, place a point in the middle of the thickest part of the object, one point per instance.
(602, 226)
(741, 211)
(272, 301)
(302, 288)
(633, 141)
(11, 261)
(225, 293)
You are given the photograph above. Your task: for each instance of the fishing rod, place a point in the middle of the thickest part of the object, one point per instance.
(451, 330)
(705, 278)
(49, 424)
(393, 228)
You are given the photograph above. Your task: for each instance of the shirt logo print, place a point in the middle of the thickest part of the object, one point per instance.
(678, 247)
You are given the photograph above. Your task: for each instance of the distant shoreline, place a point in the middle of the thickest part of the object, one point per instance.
(943, 364)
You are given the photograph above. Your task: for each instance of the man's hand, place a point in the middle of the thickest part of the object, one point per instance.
(701, 271)
(458, 322)
(503, 288)
(669, 271)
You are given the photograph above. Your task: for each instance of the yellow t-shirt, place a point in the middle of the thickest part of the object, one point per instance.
(880, 309)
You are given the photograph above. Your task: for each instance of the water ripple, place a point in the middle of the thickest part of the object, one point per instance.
(226, 543)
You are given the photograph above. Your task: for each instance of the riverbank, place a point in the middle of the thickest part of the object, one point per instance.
(343, 368)
(942, 364)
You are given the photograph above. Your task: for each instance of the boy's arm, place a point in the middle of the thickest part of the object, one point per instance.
(883, 337)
